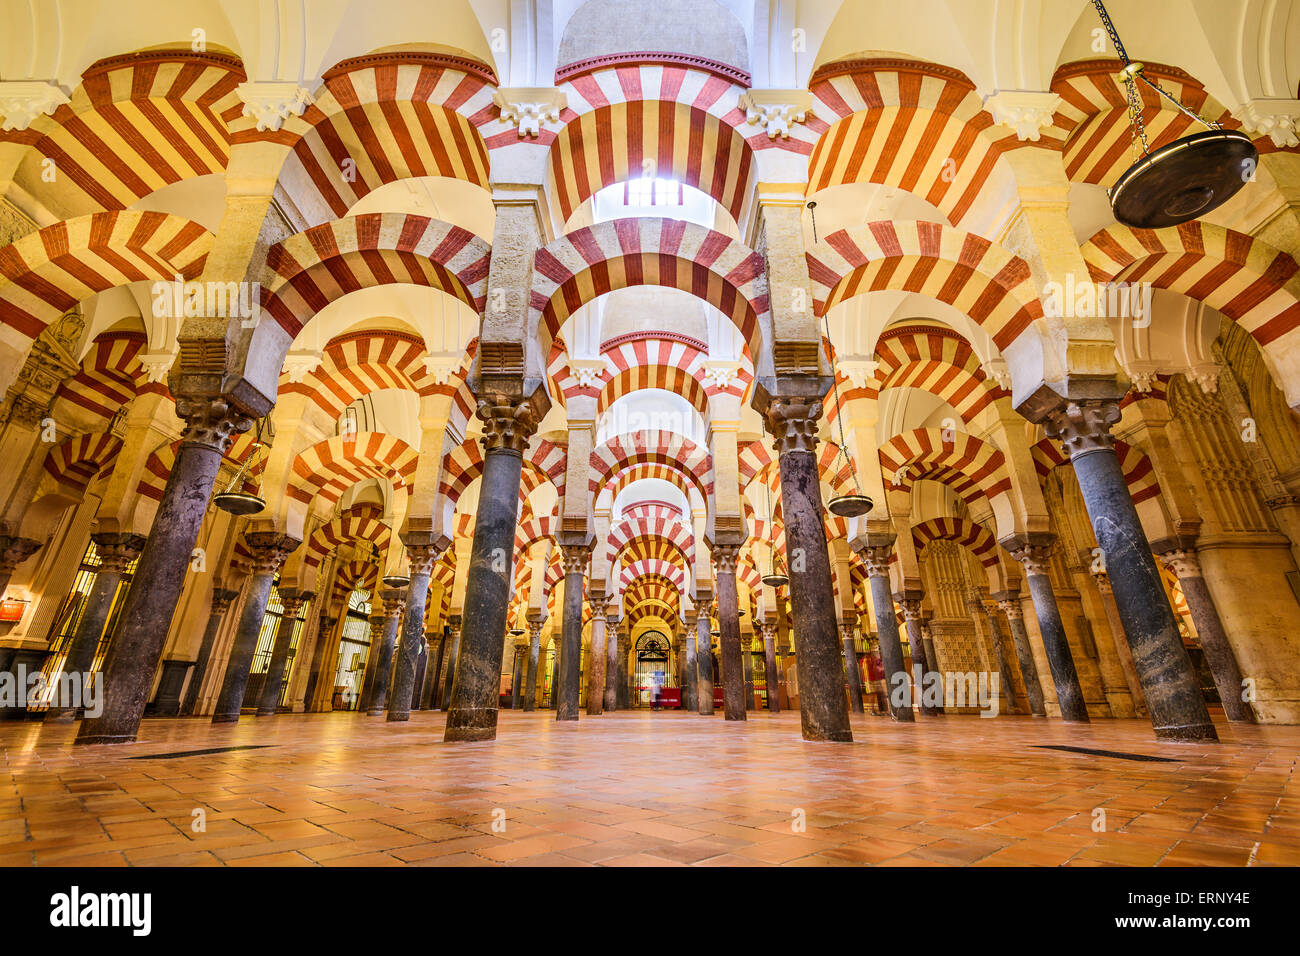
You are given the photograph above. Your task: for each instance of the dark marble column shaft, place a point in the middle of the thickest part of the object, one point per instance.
(704, 664)
(432, 680)
(421, 555)
(729, 650)
(1172, 692)
(1209, 633)
(911, 605)
(690, 686)
(1009, 601)
(927, 639)
(1122, 649)
(453, 655)
(611, 701)
(222, 598)
(851, 668)
(999, 647)
(534, 649)
(1069, 695)
(624, 680)
(773, 679)
(897, 685)
(269, 549)
(324, 637)
(145, 621)
(473, 713)
(116, 552)
(376, 634)
(394, 601)
(574, 559)
(293, 601)
(823, 707)
(596, 659)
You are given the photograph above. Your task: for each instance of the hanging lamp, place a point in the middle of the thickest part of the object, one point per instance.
(1181, 180)
(233, 499)
(774, 578)
(855, 504)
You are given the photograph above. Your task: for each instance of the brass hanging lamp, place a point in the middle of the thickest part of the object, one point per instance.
(774, 578)
(233, 499)
(855, 503)
(1181, 180)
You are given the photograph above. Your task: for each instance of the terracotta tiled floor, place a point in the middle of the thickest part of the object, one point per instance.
(641, 789)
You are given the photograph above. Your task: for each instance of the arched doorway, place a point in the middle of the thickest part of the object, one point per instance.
(653, 668)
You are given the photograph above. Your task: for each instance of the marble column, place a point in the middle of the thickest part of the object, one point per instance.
(704, 664)
(897, 688)
(421, 671)
(611, 702)
(773, 676)
(433, 678)
(1173, 694)
(292, 600)
(222, 598)
(596, 659)
(376, 622)
(1034, 556)
(13, 552)
(116, 552)
(927, 638)
(690, 688)
(624, 687)
(421, 554)
(910, 602)
(394, 602)
(269, 550)
(534, 649)
(999, 649)
(324, 639)
(507, 428)
(747, 655)
(1183, 562)
(824, 709)
(851, 667)
(1122, 650)
(210, 426)
(453, 657)
(574, 558)
(516, 674)
(1009, 602)
(729, 652)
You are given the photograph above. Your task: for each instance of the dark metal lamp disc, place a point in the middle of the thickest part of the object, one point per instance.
(1184, 179)
(239, 503)
(849, 506)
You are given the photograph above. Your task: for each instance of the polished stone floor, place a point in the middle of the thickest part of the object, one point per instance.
(642, 789)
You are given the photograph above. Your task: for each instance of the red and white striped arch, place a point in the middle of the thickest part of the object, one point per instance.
(316, 267)
(646, 547)
(110, 376)
(651, 520)
(46, 273)
(675, 576)
(1093, 116)
(534, 529)
(935, 360)
(974, 537)
(381, 118)
(917, 126)
(137, 123)
(363, 523)
(332, 466)
(970, 273)
(646, 119)
(465, 463)
(1139, 472)
(629, 475)
(159, 464)
(353, 576)
(74, 462)
(971, 467)
(587, 263)
(651, 448)
(1242, 276)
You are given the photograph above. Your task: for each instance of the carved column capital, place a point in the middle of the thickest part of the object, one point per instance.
(210, 421)
(1012, 609)
(422, 557)
(535, 630)
(292, 601)
(792, 422)
(1183, 562)
(268, 550)
(725, 557)
(574, 558)
(394, 601)
(767, 630)
(507, 427)
(1035, 558)
(846, 632)
(1083, 427)
(327, 622)
(222, 598)
(1103, 581)
(876, 558)
(14, 551)
(117, 551)
(911, 607)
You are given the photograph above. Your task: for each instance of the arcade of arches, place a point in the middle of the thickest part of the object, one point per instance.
(546, 332)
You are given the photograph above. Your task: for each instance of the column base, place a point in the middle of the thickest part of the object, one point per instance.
(375, 712)
(740, 716)
(565, 717)
(397, 717)
(266, 713)
(105, 739)
(472, 725)
(834, 737)
(1192, 733)
(62, 716)
(225, 718)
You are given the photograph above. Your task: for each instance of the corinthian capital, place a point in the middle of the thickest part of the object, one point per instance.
(1183, 562)
(507, 427)
(725, 557)
(117, 551)
(1083, 427)
(269, 549)
(792, 423)
(1035, 558)
(14, 551)
(210, 421)
(876, 558)
(575, 557)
